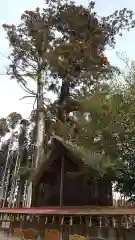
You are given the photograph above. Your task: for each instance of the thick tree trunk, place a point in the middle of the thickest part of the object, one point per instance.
(40, 122)
(64, 95)
(39, 154)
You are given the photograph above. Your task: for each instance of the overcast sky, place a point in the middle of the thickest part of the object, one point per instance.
(10, 12)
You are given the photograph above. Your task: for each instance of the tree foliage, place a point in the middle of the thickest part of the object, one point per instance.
(65, 43)
(9, 122)
(76, 52)
(13, 118)
(126, 175)
(109, 128)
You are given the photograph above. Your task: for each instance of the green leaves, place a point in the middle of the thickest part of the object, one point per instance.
(102, 128)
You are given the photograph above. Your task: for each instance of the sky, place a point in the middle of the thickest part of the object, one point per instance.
(10, 13)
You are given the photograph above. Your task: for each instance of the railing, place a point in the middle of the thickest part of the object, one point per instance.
(29, 222)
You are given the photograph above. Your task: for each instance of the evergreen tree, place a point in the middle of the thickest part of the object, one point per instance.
(62, 48)
(74, 56)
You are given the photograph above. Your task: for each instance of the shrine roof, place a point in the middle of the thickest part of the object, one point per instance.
(58, 148)
(86, 161)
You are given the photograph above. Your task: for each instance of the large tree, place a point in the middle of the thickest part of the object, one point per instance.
(62, 49)
(67, 41)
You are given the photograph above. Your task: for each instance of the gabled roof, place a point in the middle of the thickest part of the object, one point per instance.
(92, 163)
(58, 148)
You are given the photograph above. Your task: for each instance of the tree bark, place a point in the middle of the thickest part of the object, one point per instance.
(40, 120)
(39, 154)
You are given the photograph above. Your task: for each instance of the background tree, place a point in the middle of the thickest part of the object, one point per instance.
(12, 119)
(3, 127)
(126, 175)
(8, 150)
(29, 43)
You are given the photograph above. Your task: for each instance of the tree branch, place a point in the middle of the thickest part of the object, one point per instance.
(19, 78)
(27, 97)
(25, 88)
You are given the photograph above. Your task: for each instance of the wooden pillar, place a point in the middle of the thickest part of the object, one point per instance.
(65, 232)
(87, 226)
(61, 191)
(120, 234)
(61, 181)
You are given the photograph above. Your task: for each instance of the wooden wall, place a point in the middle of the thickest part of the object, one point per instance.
(76, 190)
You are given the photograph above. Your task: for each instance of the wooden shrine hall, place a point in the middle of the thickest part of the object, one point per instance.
(64, 174)
(69, 198)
